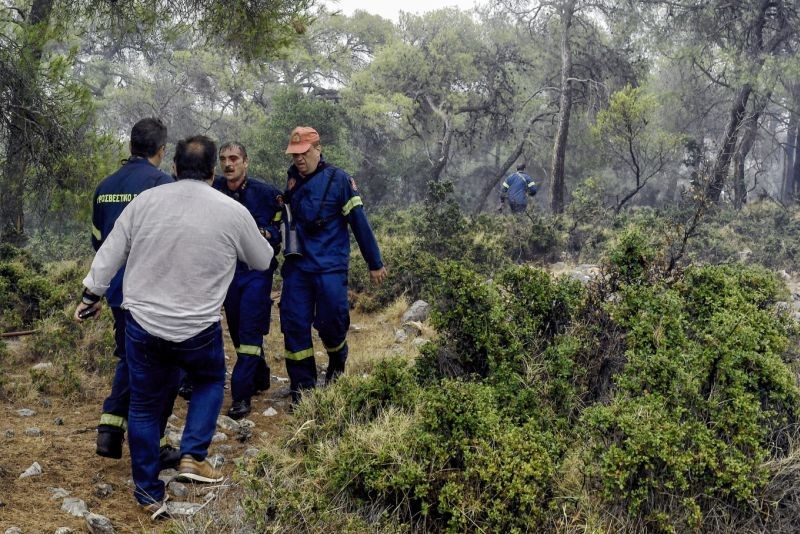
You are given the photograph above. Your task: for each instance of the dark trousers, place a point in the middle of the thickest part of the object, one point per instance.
(318, 300)
(247, 311)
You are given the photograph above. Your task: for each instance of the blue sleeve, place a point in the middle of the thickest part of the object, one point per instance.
(353, 210)
(97, 224)
(531, 185)
(274, 228)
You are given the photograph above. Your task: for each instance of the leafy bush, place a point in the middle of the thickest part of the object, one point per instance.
(702, 396)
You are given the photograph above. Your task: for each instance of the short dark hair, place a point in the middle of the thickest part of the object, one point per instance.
(234, 144)
(147, 137)
(195, 158)
(521, 167)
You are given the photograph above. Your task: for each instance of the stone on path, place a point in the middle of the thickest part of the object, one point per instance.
(103, 490)
(227, 423)
(74, 506)
(58, 493)
(417, 312)
(34, 470)
(64, 530)
(26, 412)
(98, 524)
(270, 412)
(178, 490)
(13, 530)
(34, 432)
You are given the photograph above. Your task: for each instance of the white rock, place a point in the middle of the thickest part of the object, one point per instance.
(270, 412)
(182, 508)
(219, 436)
(33, 432)
(13, 530)
(26, 412)
(74, 506)
(64, 530)
(226, 423)
(34, 470)
(42, 366)
(216, 461)
(356, 327)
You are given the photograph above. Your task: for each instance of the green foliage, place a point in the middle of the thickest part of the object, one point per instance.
(702, 396)
(27, 294)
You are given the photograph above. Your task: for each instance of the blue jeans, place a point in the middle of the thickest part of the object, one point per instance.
(153, 363)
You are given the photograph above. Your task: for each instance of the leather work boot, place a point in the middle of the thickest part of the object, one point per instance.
(263, 381)
(198, 471)
(334, 371)
(239, 409)
(109, 444)
(168, 457)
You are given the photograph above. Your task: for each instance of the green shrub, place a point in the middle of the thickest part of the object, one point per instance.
(701, 398)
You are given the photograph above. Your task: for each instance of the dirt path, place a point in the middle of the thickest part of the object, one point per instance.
(65, 452)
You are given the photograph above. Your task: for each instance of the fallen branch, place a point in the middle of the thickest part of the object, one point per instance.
(20, 333)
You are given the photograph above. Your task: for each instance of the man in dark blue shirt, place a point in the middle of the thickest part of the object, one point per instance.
(248, 303)
(323, 201)
(138, 173)
(516, 188)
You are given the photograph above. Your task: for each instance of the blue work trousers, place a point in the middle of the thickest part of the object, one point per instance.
(247, 311)
(153, 363)
(115, 408)
(318, 300)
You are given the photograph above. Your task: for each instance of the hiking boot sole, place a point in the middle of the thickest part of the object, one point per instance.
(194, 477)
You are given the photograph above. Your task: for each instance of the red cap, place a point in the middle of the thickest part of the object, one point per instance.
(301, 139)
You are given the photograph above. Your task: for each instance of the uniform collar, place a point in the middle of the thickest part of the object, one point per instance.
(294, 173)
(238, 192)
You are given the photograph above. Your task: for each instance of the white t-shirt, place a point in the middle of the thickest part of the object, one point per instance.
(179, 243)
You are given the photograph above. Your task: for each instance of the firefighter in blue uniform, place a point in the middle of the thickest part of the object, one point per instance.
(247, 303)
(138, 173)
(516, 188)
(322, 200)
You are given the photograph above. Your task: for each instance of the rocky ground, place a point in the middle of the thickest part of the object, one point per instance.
(54, 442)
(51, 480)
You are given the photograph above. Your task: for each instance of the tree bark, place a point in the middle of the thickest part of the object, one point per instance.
(726, 150)
(557, 187)
(750, 127)
(12, 182)
(788, 189)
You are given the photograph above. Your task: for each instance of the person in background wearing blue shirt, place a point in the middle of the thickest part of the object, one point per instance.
(516, 188)
(248, 302)
(138, 173)
(322, 202)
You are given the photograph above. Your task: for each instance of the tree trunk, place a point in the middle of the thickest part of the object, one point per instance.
(788, 189)
(720, 171)
(796, 168)
(12, 181)
(557, 187)
(750, 127)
